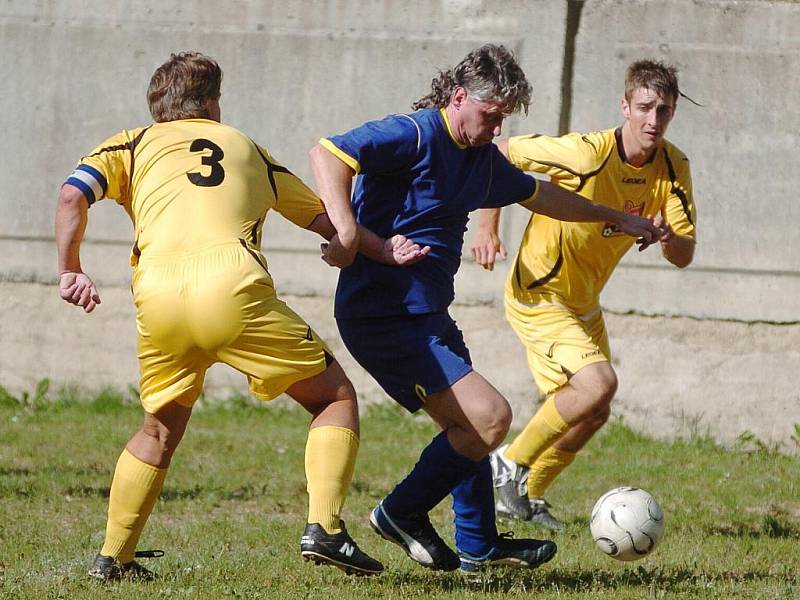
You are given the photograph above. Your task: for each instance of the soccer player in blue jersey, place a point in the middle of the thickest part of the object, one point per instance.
(420, 175)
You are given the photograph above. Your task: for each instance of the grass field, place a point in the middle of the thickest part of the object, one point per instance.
(233, 508)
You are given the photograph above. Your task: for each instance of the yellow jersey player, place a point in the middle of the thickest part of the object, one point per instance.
(198, 192)
(552, 293)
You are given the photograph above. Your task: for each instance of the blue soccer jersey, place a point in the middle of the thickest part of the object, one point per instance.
(414, 179)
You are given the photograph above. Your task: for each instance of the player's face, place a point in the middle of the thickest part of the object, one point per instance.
(649, 115)
(481, 121)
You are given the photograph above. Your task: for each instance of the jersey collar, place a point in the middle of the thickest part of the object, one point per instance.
(621, 150)
(443, 112)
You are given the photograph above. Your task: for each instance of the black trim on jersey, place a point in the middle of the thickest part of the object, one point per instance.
(272, 168)
(133, 145)
(583, 177)
(675, 189)
(126, 146)
(254, 254)
(254, 233)
(329, 359)
(542, 280)
(621, 148)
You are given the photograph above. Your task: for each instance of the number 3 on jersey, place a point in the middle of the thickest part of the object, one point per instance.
(217, 173)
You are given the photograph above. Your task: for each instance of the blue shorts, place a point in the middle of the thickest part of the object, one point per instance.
(410, 356)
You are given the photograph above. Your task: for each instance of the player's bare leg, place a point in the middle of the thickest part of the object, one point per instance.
(539, 454)
(138, 479)
(156, 442)
(588, 394)
(330, 460)
(474, 414)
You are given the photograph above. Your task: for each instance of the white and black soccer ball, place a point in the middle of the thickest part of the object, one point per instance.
(627, 523)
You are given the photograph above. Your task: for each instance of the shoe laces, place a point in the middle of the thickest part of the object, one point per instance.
(148, 554)
(508, 470)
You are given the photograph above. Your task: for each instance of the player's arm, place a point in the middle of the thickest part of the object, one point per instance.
(74, 285)
(396, 251)
(678, 217)
(334, 180)
(486, 243)
(677, 249)
(564, 205)
(374, 147)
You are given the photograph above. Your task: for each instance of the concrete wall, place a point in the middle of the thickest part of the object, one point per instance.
(75, 72)
(298, 70)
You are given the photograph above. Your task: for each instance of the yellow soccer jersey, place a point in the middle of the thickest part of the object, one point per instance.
(569, 263)
(191, 184)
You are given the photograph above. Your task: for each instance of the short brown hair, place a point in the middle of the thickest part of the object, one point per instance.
(179, 88)
(653, 75)
(490, 72)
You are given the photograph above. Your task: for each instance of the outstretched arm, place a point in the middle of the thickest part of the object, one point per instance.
(334, 183)
(74, 285)
(398, 250)
(486, 243)
(564, 205)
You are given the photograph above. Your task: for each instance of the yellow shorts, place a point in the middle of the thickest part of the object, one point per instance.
(217, 305)
(558, 342)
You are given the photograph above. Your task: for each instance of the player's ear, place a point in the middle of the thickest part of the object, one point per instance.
(626, 108)
(459, 96)
(212, 108)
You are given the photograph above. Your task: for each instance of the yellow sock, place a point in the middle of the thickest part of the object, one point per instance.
(546, 468)
(330, 461)
(542, 430)
(134, 491)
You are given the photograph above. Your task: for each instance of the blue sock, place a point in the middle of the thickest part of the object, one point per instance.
(438, 470)
(473, 504)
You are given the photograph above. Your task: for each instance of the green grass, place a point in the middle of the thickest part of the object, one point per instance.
(233, 508)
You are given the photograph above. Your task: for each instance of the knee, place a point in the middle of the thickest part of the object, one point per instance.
(607, 384)
(346, 392)
(494, 427)
(600, 416)
(343, 398)
(162, 440)
(601, 393)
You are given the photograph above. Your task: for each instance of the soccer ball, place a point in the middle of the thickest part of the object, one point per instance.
(626, 523)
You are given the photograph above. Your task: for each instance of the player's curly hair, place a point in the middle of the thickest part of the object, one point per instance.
(653, 75)
(487, 73)
(179, 88)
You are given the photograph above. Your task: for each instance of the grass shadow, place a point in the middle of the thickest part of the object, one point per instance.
(770, 527)
(506, 580)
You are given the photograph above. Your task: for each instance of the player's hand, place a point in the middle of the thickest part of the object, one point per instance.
(401, 251)
(78, 288)
(664, 228)
(642, 229)
(485, 247)
(337, 254)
